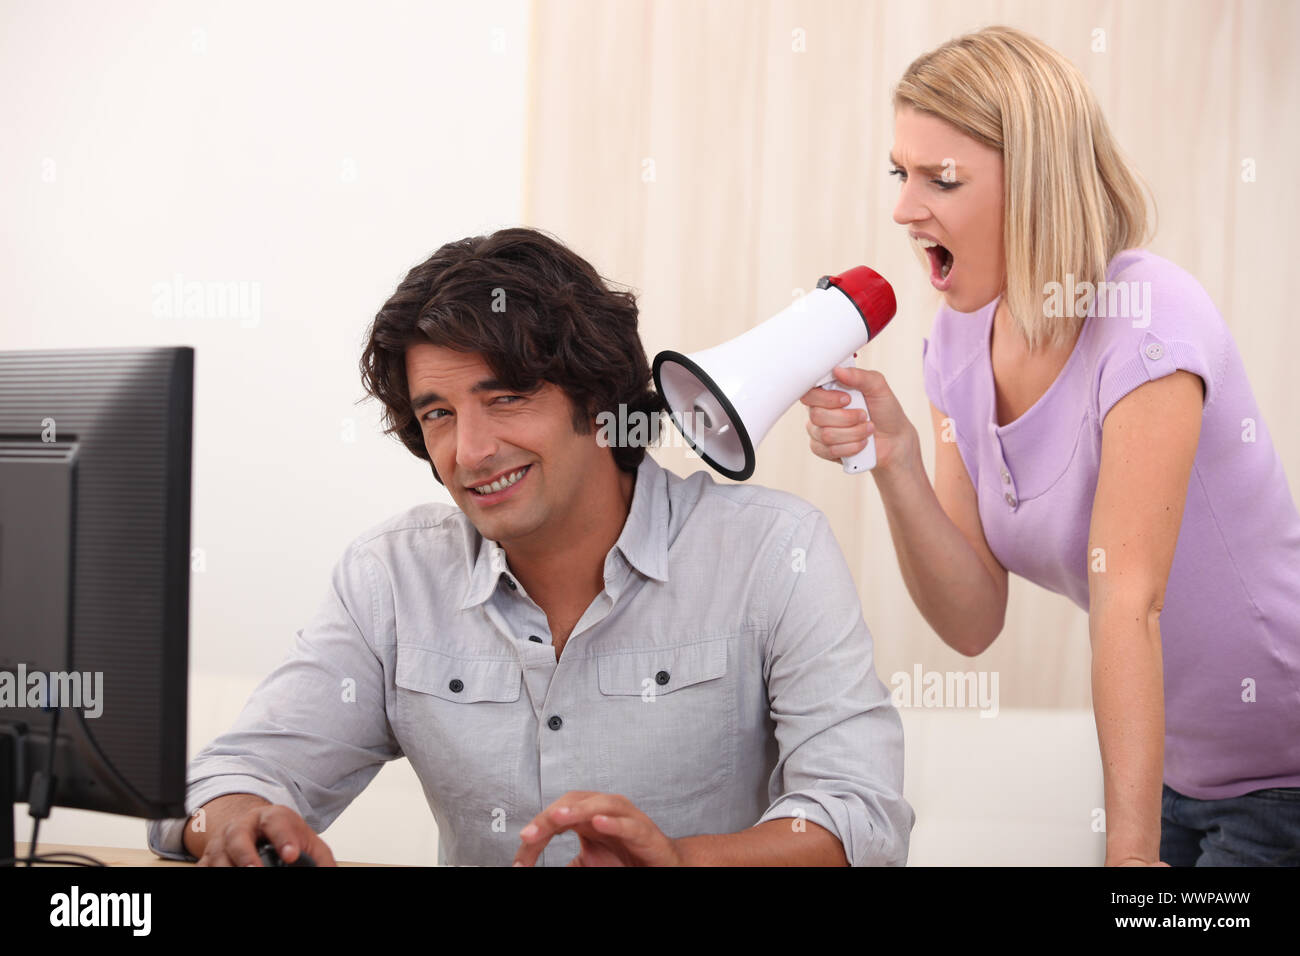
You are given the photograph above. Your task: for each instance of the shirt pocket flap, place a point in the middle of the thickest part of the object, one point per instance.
(663, 670)
(465, 680)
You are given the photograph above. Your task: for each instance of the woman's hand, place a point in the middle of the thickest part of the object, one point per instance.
(838, 432)
(1135, 861)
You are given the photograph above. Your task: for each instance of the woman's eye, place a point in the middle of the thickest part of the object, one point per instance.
(942, 184)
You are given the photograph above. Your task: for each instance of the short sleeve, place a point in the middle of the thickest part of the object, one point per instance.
(1178, 329)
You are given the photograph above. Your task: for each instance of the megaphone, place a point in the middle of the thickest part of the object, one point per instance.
(724, 400)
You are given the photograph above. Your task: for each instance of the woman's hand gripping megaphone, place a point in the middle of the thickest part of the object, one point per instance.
(840, 427)
(865, 459)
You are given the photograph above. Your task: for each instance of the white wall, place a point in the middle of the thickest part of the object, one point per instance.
(313, 152)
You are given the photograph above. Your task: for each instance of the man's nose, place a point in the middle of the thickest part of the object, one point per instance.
(475, 441)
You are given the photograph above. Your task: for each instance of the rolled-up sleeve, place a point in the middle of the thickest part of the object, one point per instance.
(315, 732)
(840, 739)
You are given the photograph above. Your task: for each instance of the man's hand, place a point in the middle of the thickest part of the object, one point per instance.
(232, 839)
(611, 832)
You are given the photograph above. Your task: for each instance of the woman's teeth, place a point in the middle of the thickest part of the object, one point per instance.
(501, 483)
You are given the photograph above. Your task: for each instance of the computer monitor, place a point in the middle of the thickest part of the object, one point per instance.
(94, 581)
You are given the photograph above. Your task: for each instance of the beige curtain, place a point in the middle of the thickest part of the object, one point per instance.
(719, 157)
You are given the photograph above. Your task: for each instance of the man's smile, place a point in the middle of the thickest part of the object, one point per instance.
(500, 486)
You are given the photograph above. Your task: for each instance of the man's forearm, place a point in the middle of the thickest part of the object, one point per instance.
(771, 843)
(213, 814)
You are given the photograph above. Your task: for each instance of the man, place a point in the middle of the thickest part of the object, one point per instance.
(592, 659)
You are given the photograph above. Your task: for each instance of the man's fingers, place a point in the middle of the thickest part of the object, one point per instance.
(568, 811)
(284, 831)
(538, 832)
(240, 847)
(611, 806)
(636, 830)
(291, 836)
(321, 853)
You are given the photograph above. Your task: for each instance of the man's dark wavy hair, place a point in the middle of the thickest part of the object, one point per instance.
(535, 310)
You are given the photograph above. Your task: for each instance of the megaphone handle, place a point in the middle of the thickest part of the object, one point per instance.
(864, 460)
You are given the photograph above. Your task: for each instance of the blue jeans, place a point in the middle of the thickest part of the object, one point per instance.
(1261, 828)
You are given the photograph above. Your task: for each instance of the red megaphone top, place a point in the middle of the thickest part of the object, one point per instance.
(868, 290)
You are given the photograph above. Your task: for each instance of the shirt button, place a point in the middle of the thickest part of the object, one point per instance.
(1155, 351)
(555, 723)
(661, 678)
(1010, 499)
(511, 585)
(456, 686)
(534, 638)
(1006, 477)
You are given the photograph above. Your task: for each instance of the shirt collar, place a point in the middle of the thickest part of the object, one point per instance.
(643, 541)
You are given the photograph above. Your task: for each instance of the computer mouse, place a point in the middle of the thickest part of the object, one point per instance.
(266, 851)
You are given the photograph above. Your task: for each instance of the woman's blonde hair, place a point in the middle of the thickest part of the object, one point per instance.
(1071, 201)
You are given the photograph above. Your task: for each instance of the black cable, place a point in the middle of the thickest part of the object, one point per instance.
(41, 796)
(54, 858)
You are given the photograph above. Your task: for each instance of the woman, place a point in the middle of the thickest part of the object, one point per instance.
(1095, 432)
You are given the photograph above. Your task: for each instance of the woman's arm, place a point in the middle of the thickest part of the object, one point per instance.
(954, 579)
(1148, 444)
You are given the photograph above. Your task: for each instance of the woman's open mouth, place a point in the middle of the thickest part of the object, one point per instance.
(941, 262)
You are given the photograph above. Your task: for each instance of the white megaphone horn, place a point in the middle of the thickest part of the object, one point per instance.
(725, 399)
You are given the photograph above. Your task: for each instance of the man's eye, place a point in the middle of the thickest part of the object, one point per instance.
(430, 416)
(517, 398)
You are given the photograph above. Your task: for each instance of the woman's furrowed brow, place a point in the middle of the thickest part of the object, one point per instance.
(927, 170)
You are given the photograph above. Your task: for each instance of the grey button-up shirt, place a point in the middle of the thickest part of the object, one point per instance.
(724, 677)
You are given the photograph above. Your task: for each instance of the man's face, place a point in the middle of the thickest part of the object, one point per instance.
(478, 432)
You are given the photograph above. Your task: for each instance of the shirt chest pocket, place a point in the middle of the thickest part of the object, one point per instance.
(461, 680)
(673, 713)
(460, 722)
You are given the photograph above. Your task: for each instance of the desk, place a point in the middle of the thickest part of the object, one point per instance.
(122, 856)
